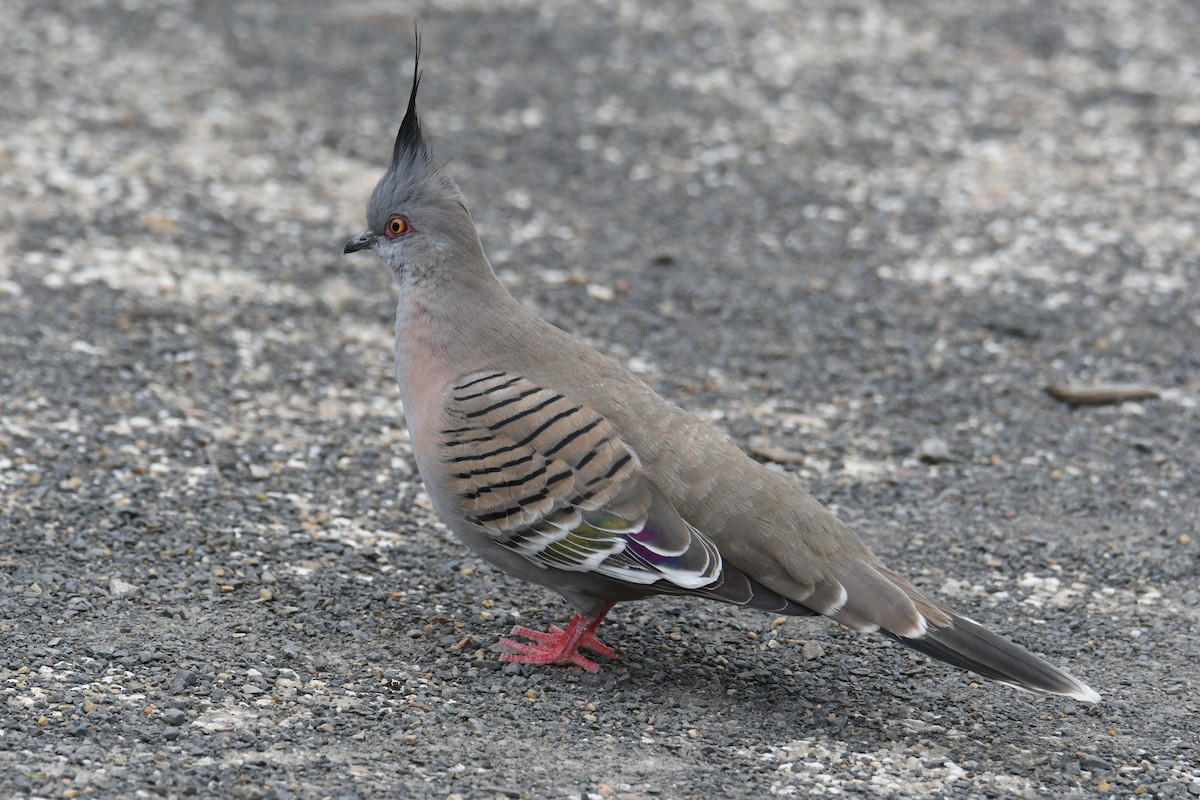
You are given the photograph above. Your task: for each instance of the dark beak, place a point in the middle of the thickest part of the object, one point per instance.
(364, 241)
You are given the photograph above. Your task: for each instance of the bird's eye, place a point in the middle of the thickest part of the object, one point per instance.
(396, 225)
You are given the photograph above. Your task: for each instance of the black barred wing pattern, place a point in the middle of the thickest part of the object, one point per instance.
(551, 479)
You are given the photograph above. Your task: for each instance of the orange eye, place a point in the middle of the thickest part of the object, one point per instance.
(396, 225)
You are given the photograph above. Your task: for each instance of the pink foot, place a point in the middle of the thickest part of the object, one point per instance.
(558, 646)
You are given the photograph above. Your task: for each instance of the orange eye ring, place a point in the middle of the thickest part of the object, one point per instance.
(396, 225)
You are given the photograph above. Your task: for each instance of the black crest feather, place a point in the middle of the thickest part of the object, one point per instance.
(414, 184)
(409, 142)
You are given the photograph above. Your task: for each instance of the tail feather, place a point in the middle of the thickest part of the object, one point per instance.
(864, 595)
(970, 646)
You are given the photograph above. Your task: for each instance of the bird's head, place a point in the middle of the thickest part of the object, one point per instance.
(416, 218)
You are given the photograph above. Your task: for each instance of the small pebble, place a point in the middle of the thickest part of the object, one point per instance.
(174, 716)
(934, 451)
(604, 294)
(121, 589)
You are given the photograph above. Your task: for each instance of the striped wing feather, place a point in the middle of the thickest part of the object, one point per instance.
(551, 479)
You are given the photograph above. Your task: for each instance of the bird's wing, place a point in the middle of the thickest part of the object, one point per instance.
(551, 479)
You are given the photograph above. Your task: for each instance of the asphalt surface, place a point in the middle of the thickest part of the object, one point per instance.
(839, 231)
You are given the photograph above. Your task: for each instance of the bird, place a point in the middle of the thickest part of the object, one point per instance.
(560, 467)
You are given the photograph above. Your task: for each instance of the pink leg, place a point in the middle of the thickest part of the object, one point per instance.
(558, 646)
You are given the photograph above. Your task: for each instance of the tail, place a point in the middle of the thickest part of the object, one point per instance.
(968, 645)
(875, 598)
(864, 595)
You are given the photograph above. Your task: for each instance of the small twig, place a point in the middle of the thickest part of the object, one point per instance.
(1099, 394)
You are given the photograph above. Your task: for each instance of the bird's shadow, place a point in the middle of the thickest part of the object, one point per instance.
(742, 672)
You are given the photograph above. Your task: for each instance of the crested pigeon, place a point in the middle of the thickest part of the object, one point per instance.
(560, 467)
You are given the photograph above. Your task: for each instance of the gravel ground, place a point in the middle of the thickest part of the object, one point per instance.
(862, 237)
